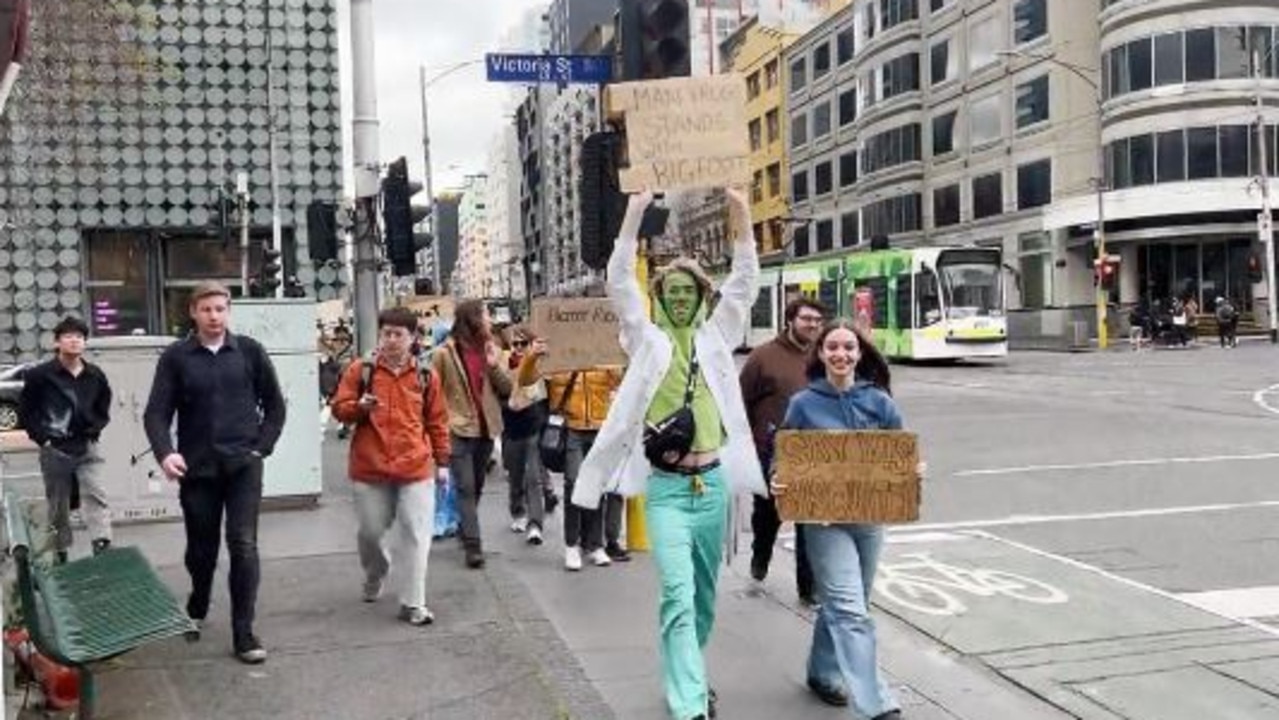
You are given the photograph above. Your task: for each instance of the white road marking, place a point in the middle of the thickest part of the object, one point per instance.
(1247, 622)
(1018, 520)
(1144, 462)
(1259, 398)
(910, 537)
(1250, 602)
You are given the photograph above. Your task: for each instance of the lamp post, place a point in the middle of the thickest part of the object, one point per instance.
(1099, 234)
(1265, 221)
(426, 153)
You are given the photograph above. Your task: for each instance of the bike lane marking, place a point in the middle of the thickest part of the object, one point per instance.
(1020, 520)
(1259, 398)
(1109, 464)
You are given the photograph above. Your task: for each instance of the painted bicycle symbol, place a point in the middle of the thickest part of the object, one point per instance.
(921, 583)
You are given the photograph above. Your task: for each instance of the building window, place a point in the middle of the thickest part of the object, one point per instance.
(848, 169)
(770, 74)
(1201, 55)
(891, 147)
(1201, 153)
(1170, 62)
(944, 133)
(757, 187)
(1140, 65)
(869, 18)
(821, 121)
(1032, 102)
(988, 196)
(944, 64)
(823, 179)
(984, 121)
(799, 241)
(774, 180)
(895, 12)
(938, 5)
(1232, 52)
(893, 215)
(821, 61)
(900, 75)
(1141, 159)
(844, 45)
(1170, 156)
(772, 120)
(752, 86)
(1120, 169)
(849, 232)
(946, 206)
(799, 129)
(1034, 260)
(825, 235)
(755, 134)
(799, 186)
(798, 75)
(1034, 184)
(984, 40)
(1232, 142)
(1030, 20)
(847, 107)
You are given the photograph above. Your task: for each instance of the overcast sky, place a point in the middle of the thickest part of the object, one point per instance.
(466, 111)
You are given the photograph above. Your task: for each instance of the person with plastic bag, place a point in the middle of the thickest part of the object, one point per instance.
(448, 519)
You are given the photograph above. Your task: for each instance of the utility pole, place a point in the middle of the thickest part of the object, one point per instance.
(277, 232)
(436, 280)
(1103, 292)
(1265, 221)
(365, 148)
(242, 197)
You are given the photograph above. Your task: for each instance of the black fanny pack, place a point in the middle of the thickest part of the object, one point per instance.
(667, 441)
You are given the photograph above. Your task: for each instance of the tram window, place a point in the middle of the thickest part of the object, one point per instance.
(762, 310)
(905, 303)
(828, 295)
(927, 298)
(879, 300)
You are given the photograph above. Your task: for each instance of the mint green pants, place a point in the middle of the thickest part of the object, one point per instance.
(686, 533)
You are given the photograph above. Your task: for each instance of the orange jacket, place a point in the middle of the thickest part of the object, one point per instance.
(399, 440)
(592, 394)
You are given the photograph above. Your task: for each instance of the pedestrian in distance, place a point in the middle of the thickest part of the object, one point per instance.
(849, 389)
(523, 417)
(1227, 323)
(475, 384)
(64, 406)
(230, 412)
(583, 399)
(399, 448)
(678, 433)
(773, 373)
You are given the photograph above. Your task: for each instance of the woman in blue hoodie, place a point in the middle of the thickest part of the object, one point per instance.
(848, 390)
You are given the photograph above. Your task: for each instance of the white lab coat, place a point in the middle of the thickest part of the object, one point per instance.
(616, 462)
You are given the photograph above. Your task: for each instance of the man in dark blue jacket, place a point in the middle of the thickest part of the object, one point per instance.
(230, 414)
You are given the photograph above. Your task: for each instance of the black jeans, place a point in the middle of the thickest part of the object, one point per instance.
(581, 525)
(765, 523)
(236, 485)
(469, 465)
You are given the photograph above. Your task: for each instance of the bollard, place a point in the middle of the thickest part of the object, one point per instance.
(636, 529)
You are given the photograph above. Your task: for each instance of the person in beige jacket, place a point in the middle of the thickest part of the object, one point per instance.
(475, 385)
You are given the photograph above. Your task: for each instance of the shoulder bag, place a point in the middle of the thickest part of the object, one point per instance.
(552, 444)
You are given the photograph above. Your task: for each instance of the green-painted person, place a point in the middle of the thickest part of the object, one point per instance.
(678, 434)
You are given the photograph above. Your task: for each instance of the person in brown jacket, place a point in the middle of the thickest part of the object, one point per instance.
(773, 373)
(475, 385)
(400, 446)
(595, 533)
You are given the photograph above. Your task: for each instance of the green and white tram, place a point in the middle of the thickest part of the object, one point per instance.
(921, 304)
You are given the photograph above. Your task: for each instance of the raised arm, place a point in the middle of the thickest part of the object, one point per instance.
(623, 286)
(737, 294)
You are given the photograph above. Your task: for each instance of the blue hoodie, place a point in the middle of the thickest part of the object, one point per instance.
(821, 406)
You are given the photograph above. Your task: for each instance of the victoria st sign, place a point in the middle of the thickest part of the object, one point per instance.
(589, 69)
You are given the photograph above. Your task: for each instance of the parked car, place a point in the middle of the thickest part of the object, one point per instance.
(10, 388)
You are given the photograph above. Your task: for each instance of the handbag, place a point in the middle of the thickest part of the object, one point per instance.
(667, 441)
(552, 444)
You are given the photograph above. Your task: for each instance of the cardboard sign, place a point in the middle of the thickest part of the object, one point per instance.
(430, 307)
(848, 476)
(683, 132)
(580, 333)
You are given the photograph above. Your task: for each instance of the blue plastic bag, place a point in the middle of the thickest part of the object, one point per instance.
(447, 518)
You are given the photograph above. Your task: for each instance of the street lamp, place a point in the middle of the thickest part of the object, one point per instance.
(1099, 234)
(1265, 221)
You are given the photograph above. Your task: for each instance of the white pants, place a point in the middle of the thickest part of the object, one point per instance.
(377, 506)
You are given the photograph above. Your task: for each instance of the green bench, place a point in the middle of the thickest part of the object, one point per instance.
(89, 610)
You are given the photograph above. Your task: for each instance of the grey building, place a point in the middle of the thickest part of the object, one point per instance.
(446, 235)
(985, 121)
(129, 119)
(570, 21)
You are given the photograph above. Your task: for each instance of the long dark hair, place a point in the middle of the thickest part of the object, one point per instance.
(871, 367)
(468, 323)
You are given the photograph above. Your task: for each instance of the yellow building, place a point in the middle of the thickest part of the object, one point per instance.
(755, 51)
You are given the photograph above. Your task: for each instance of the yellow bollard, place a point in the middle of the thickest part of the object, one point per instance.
(636, 530)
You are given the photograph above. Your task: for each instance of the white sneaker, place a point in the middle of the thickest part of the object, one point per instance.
(534, 536)
(573, 559)
(520, 525)
(599, 558)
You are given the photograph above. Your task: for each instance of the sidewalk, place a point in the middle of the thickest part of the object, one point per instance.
(522, 639)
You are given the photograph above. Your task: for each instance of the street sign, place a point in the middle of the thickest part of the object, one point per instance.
(589, 69)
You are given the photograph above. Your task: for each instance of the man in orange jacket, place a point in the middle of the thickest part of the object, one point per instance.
(401, 444)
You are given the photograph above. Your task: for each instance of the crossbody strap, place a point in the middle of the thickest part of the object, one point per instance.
(693, 368)
(568, 392)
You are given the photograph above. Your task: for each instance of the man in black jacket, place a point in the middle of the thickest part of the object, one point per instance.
(230, 414)
(65, 404)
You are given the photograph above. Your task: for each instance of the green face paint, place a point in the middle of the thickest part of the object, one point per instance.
(681, 297)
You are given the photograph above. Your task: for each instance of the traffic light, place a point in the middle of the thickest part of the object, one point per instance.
(655, 39)
(223, 211)
(322, 231)
(399, 216)
(271, 271)
(1106, 273)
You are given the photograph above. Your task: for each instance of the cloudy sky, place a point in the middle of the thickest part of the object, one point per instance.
(466, 111)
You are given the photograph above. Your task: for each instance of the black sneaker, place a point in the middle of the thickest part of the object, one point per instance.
(711, 701)
(890, 715)
(250, 651)
(101, 545)
(551, 501)
(192, 636)
(617, 553)
(474, 559)
(828, 694)
(759, 569)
